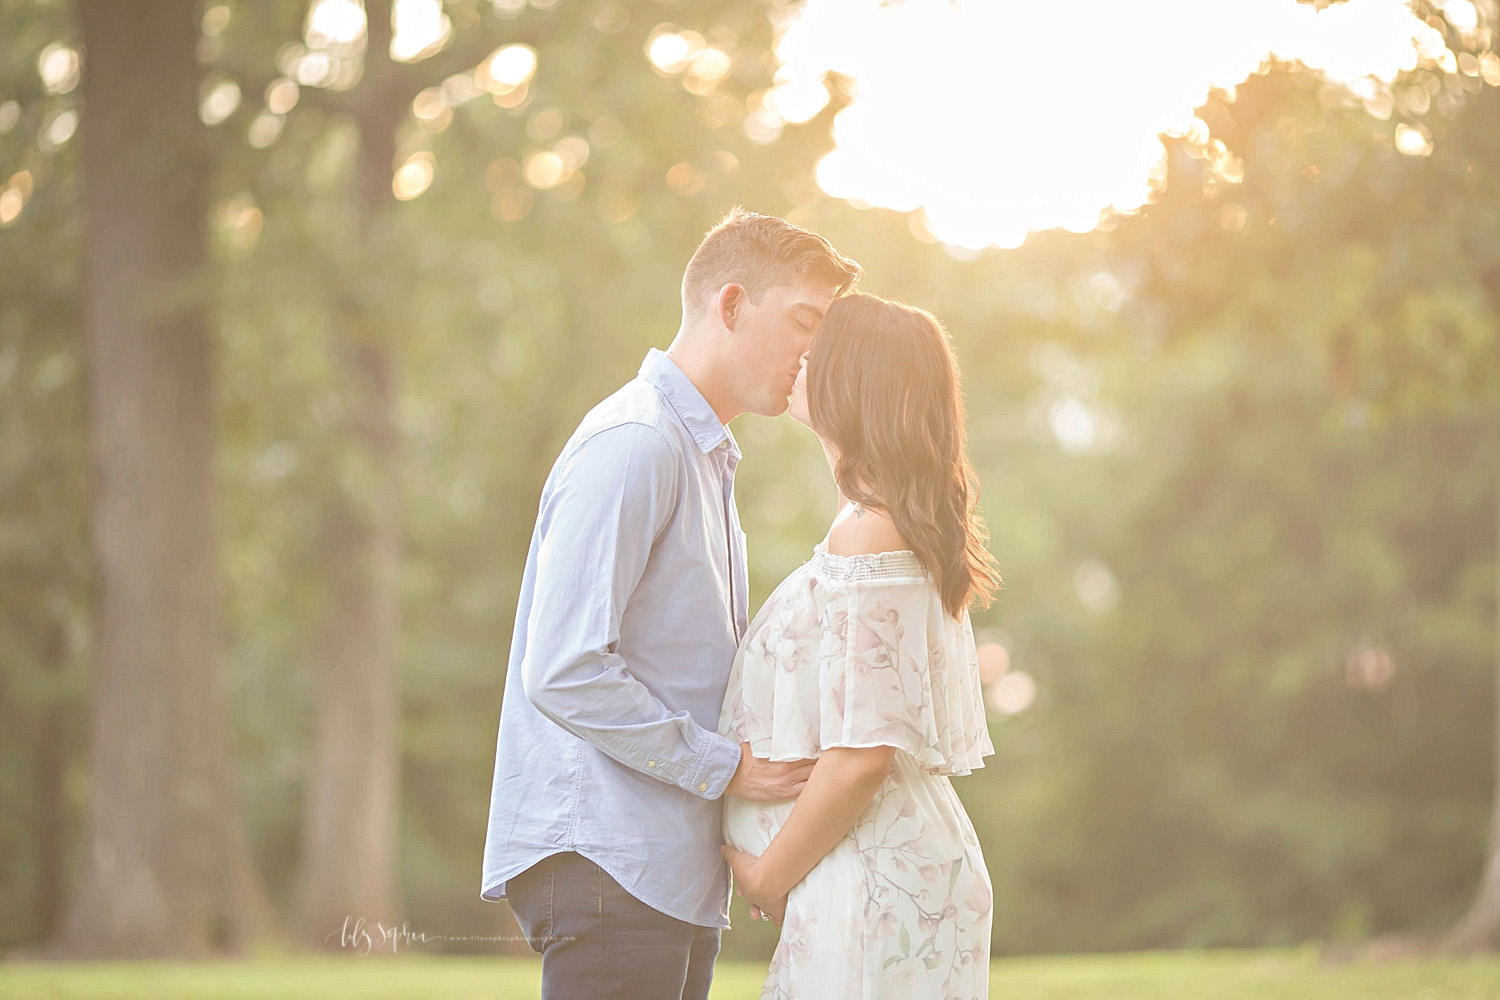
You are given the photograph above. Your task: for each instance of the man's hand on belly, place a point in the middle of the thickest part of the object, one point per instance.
(766, 781)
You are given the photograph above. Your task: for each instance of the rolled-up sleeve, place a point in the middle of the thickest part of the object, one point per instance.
(600, 517)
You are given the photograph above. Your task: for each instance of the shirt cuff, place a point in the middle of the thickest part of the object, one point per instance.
(715, 766)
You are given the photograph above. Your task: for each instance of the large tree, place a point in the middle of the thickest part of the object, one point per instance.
(164, 864)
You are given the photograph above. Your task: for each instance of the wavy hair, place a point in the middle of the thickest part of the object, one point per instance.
(883, 389)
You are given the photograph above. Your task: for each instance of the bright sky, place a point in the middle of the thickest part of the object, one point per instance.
(1001, 116)
(993, 117)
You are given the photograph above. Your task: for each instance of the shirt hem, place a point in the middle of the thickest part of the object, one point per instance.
(495, 885)
(674, 912)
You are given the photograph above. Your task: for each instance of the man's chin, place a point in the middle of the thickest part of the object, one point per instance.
(773, 409)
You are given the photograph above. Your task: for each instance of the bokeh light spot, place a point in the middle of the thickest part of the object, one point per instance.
(419, 28)
(58, 67)
(994, 661)
(1413, 140)
(1095, 586)
(414, 176)
(1012, 694)
(685, 179)
(334, 23)
(509, 67)
(219, 101)
(544, 169)
(57, 128)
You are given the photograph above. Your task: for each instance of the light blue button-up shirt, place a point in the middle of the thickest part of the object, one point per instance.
(631, 606)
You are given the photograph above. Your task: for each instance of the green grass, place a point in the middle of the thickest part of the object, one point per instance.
(1217, 975)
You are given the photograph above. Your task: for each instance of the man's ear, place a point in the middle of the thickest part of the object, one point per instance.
(730, 303)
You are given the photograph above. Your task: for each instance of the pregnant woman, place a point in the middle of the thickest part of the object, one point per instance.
(864, 658)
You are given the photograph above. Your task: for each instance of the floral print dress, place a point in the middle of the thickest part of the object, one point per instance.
(857, 651)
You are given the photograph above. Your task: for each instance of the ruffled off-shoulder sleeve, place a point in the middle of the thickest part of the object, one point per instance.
(857, 651)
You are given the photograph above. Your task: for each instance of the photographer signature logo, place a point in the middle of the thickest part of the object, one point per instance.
(364, 937)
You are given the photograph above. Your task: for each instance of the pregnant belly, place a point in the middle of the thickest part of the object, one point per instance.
(833, 893)
(749, 826)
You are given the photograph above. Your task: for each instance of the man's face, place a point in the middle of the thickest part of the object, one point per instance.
(798, 407)
(771, 337)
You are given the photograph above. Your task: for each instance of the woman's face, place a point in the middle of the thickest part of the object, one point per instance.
(798, 405)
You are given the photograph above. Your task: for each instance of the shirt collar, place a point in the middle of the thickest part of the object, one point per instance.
(688, 403)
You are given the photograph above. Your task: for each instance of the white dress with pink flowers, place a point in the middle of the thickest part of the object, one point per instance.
(857, 651)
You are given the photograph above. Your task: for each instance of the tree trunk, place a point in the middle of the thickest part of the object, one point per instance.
(1479, 929)
(50, 770)
(350, 819)
(351, 815)
(156, 873)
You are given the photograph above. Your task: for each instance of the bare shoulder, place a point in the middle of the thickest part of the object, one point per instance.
(863, 531)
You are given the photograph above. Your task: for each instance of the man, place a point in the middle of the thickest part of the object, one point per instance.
(604, 826)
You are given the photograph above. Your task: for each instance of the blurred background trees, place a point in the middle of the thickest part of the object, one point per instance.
(1238, 451)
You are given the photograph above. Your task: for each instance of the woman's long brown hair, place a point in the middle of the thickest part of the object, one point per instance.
(883, 389)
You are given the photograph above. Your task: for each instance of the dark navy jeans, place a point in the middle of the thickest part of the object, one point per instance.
(597, 940)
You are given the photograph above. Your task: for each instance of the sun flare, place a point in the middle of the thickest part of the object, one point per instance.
(998, 118)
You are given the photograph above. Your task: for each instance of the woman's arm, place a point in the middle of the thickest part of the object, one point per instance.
(844, 779)
(842, 783)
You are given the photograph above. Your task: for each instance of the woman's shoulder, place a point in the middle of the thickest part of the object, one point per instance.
(864, 531)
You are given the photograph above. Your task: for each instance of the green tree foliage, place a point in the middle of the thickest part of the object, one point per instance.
(45, 575)
(1257, 600)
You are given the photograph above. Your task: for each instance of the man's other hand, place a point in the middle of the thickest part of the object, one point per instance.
(767, 781)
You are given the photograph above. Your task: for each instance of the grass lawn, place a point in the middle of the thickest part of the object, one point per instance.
(1218, 975)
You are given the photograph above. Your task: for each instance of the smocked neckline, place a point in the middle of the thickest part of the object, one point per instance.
(896, 564)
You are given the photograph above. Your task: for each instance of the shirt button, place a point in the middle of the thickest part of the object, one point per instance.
(650, 763)
(702, 786)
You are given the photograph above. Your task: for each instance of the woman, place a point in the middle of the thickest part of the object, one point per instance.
(864, 658)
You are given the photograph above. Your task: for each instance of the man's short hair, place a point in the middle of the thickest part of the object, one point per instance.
(757, 252)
